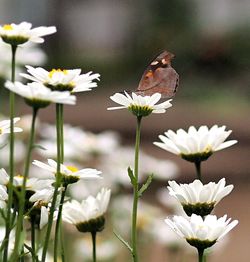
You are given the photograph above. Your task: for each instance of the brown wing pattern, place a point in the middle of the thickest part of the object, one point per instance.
(159, 77)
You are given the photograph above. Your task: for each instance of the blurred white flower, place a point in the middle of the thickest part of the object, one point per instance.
(122, 210)
(201, 232)
(61, 79)
(140, 105)
(30, 54)
(25, 124)
(198, 198)
(17, 34)
(164, 235)
(195, 145)
(78, 144)
(19, 152)
(122, 157)
(99, 144)
(106, 249)
(70, 174)
(88, 215)
(5, 126)
(37, 94)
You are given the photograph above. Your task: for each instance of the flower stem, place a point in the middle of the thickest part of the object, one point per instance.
(57, 184)
(33, 240)
(58, 222)
(62, 133)
(200, 255)
(198, 170)
(11, 157)
(136, 189)
(93, 234)
(19, 225)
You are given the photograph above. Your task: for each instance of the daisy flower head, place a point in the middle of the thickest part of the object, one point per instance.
(201, 233)
(39, 96)
(62, 79)
(41, 200)
(5, 126)
(18, 34)
(198, 198)
(69, 174)
(140, 105)
(32, 189)
(195, 145)
(88, 216)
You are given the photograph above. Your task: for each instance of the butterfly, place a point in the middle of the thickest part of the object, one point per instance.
(159, 77)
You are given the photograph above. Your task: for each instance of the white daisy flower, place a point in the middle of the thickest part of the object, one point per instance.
(199, 232)
(140, 105)
(17, 34)
(88, 216)
(3, 191)
(38, 95)
(195, 145)
(32, 184)
(41, 207)
(63, 79)
(70, 174)
(198, 198)
(5, 126)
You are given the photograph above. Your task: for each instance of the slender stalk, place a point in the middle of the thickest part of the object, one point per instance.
(33, 240)
(93, 235)
(58, 222)
(198, 170)
(136, 189)
(11, 157)
(62, 244)
(200, 255)
(62, 133)
(57, 184)
(19, 225)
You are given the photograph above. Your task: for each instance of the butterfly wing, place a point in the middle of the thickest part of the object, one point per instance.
(159, 77)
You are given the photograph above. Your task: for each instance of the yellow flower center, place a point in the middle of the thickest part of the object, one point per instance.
(53, 71)
(8, 27)
(73, 169)
(1, 131)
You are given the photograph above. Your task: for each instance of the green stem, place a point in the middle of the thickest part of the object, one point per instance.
(57, 184)
(19, 225)
(58, 222)
(8, 224)
(62, 133)
(93, 234)
(62, 244)
(136, 189)
(200, 255)
(33, 240)
(198, 170)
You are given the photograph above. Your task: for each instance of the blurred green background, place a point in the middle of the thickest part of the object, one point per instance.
(211, 41)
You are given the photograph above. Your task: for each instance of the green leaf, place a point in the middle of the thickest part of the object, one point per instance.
(131, 176)
(123, 241)
(145, 185)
